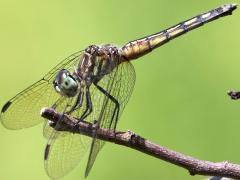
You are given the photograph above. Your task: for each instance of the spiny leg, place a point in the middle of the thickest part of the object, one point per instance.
(78, 102)
(116, 109)
(88, 110)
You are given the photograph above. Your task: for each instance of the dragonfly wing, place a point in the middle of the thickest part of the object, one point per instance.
(96, 146)
(64, 150)
(23, 110)
(118, 84)
(63, 153)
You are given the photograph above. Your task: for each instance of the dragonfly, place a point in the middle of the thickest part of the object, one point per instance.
(92, 85)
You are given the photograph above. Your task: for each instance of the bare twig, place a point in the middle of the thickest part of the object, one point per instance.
(134, 141)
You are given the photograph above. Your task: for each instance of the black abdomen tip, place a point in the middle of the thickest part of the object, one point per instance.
(6, 106)
(229, 7)
(234, 6)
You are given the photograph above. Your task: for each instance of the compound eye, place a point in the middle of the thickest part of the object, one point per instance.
(69, 82)
(66, 84)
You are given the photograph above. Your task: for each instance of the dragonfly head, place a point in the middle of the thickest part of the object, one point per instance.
(65, 84)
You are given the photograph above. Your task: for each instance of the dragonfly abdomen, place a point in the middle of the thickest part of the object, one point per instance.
(140, 47)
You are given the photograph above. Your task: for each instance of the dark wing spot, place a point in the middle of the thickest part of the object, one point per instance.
(6, 106)
(46, 152)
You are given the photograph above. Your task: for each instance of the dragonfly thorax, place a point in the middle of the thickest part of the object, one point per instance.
(96, 62)
(93, 65)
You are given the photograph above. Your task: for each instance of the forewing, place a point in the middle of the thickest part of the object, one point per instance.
(23, 110)
(119, 84)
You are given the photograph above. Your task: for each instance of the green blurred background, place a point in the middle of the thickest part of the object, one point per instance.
(179, 99)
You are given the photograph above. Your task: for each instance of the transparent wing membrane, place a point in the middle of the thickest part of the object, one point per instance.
(23, 110)
(64, 152)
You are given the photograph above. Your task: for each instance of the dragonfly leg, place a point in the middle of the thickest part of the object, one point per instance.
(88, 110)
(57, 102)
(116, 109)
(78, 102)
(54, 106)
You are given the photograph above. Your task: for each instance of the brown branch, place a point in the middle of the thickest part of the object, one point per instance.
(134, 141)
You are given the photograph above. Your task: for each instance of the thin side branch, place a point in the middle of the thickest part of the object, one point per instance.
(235, 95)
(134, 141)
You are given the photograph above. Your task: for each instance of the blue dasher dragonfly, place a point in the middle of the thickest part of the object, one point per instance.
(93, 85)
